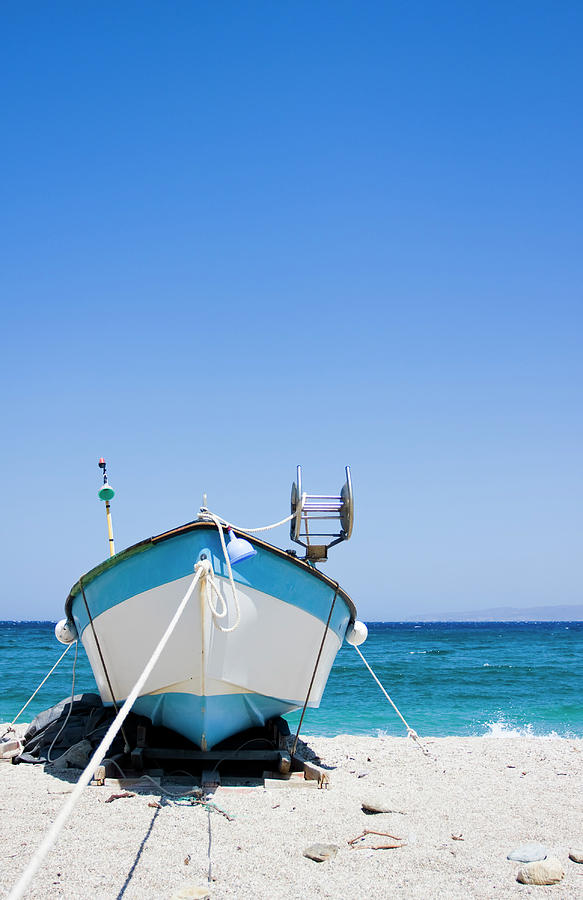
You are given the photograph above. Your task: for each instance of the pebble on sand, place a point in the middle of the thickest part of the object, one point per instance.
(321, 852)
(547, 871)
(10, 748)
(526, 853)
(576, 856)
(378, 804)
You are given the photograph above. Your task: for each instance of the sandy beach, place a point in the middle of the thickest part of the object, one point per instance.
(458, 814)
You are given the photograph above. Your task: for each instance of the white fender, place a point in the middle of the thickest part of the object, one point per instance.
(357, 633)
(65, 631)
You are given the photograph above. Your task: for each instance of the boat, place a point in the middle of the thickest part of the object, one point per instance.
(257, 639)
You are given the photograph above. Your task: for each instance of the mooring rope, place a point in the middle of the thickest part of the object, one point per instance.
(68, 716)
(215, 587)
(410, 731)
(221, 524)
(45, 847)
(47, 676)
(206, 512)
(209, 848)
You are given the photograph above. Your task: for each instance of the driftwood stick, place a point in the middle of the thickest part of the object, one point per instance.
(122, 796)
(366, 831)
(392, 846)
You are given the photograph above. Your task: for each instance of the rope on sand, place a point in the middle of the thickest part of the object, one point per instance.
(47, 844)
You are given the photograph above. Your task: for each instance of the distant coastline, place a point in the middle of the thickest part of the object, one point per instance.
(563, 613)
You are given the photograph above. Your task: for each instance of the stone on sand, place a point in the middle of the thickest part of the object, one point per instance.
(379, 804)
(545, 871)
(526, 853)
(10, 748)
(321, 852)
(576, 856)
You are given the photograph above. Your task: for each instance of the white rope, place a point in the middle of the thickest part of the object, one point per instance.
(70, 710)
(410, 731)
(205, 512)
(219, 612)
(212, 587)
(45, 847)
(215, 587)
(17, 716)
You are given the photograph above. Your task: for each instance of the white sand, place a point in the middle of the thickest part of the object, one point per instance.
(495, 792)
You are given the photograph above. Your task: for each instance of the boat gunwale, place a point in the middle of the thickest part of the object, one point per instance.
(145, 544)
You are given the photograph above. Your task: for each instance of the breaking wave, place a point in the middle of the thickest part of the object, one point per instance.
(502, 729)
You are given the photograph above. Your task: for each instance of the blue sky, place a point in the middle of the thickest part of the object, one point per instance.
(240, 236)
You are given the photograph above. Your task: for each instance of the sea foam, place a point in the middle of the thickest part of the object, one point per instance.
(502, 729)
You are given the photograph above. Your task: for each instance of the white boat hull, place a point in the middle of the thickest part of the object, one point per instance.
(209, 684)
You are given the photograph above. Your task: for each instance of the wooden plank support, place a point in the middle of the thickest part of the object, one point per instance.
(280, 758)
(312, 772)
(99, 777)
(124, 784)
(295, 780)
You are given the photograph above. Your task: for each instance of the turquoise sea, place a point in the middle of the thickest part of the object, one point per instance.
(446, 678)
